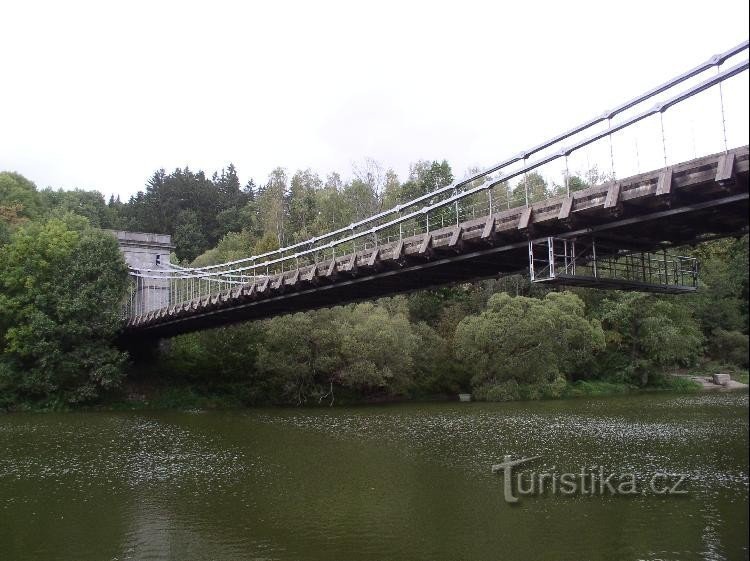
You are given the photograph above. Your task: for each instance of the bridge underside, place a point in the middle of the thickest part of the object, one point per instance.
(687, 203)
(588, 281)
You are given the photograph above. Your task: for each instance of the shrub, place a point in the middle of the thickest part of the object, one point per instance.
(527, 340)
(61, 289)
(730, 346)
(504, 391)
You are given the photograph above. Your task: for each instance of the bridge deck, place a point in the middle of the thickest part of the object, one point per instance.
(675, 206)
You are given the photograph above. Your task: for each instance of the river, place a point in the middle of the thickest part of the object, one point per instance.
(394, 482)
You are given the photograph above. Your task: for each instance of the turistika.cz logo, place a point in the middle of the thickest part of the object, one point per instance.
(588, 481)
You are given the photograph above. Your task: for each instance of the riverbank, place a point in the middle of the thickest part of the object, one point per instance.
(705, 376)
(709, 383)
(145, 396)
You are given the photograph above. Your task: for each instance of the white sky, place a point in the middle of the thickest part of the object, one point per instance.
(98, 95)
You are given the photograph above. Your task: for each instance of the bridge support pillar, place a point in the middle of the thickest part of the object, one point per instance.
(147, 251)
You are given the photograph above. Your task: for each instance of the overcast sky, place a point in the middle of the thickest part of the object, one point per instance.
(98, 95)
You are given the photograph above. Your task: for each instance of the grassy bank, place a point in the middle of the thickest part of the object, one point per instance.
(581, 388)
(707, 369)
(138, 396)
(193, 397)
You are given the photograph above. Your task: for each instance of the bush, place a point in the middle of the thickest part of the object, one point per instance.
(730, 346)
(527, 340)
(513, 391)
(650, 333)
(61, 288)
(554, 389)
(586, 388)
(504, 391)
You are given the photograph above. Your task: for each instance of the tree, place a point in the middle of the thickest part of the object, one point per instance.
(269, 242)
(364, 347)
(359, 200)
(527, 340)
(370, 173)
(730, 347)
(272, 204)
(377, 348)
(722, 302)
(297, 356)
(61, 289)
(435, 370)
(332, 210)
(425, 177)
(11, 217)
(89, 204)
(18, 193)
(302, 203)
(188, 239)
(537, 189)
(647, 333)
(391, 190)
(216, 357)
(575, 183)
(233, 246)
(167, 196)
(227, 185)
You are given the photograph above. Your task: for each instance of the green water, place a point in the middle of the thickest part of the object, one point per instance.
(399, 482)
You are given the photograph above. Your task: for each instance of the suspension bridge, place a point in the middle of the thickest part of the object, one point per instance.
(618, 234)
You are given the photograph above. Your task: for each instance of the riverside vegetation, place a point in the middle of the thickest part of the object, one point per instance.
(62, 281)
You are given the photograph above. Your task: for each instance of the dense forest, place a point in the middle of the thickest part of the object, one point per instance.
(62, 281)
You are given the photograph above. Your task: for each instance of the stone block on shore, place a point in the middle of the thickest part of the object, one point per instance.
(721, 379)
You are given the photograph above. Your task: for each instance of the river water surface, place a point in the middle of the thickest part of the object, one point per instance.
(398, 482)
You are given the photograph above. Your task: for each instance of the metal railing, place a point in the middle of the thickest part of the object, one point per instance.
(568, 261)
(452, 204)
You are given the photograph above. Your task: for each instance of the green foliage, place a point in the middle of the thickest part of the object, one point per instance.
(722, 301)
(301, 358)
(652, 332)
(189, 239)
(537, 190)
(19, 202)
(191, 203)
(435, 369)
(362, 347)
(89, 204)
(527, 340)
(215, 356)
(303, 204)
(593, 388)
(266, 244)
(377, 349)
(731, 346)
(272, 205)
(664, 381)
(234, 245)
(295, 356)
(511, 390)
(61, 288)
(428, 305)
(18, 193)
(218, 365)
(507, 390)
(425, 177)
